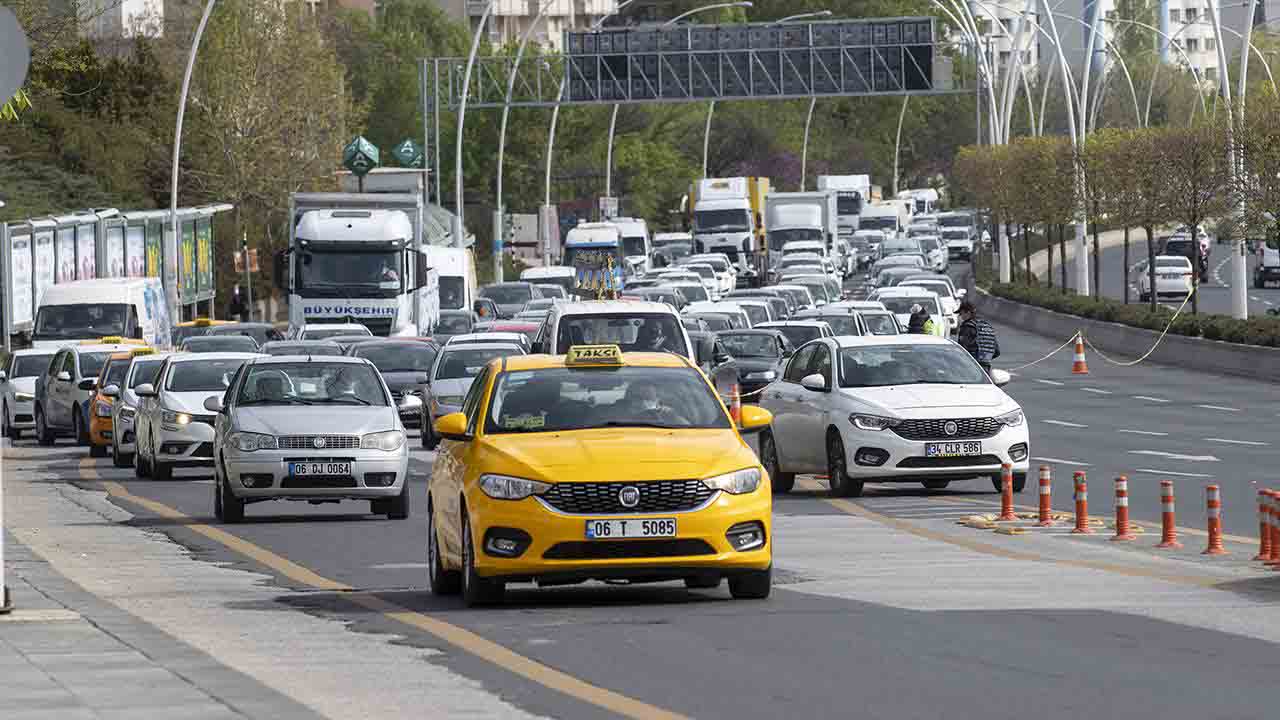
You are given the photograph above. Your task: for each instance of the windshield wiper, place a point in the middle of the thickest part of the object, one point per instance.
(348, 401)
(275, 401)
(622, 423)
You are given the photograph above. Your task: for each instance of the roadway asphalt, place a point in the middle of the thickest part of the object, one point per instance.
(1215, 295)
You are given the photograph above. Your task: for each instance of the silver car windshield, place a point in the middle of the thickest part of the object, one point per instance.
(311, 383)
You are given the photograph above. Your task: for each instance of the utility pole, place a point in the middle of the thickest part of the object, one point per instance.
(248, 279)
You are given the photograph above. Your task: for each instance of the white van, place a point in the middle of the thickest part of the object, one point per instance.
(89, 309)
(637, 246)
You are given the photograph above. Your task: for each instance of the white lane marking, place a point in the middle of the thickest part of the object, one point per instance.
(1268, 303)
(1096, 391)
(1175, 456)
(1148, 398)
(1229, 441)
(1171, 472)
(1219, 407)
(1049, 382)
(1152, 433)
(1064, 423)
(1060, 461)
(399, 566)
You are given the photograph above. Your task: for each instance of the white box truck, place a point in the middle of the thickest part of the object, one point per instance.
(728, 217)
(800, 216)
(852, 193)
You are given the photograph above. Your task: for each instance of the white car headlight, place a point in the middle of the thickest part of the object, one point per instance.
(1010, 419)
(739, 482)
(102, 409)
(763, 375)
(873, 422)
(248, 442)
(170, 417)
(388, 441)
(505, 487)
(127, 413)
(23, 397)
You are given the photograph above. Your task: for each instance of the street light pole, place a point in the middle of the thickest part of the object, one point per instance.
(813, 101)
(458, 226)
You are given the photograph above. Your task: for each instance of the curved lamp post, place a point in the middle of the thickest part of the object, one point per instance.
(458, 224)
(808, 118)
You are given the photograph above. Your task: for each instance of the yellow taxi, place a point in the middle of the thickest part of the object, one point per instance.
(112, 374)
(191, 328)
(597, 465)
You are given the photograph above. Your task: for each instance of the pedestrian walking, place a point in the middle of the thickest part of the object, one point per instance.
(977, 336)
(920, 322)
(238, 309)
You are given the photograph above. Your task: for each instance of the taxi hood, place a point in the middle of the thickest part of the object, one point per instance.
(619, 454)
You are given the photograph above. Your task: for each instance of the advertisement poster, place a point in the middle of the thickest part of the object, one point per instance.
(154, 253)
(187, 252)
(85, 256)
(46, 267)
(115, 251)
(136, 250)
(21, 279)
(66, 254)
(204, 255)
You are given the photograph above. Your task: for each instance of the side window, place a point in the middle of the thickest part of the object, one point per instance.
(54, 364)
(471, 404)
(821, 362)
(799, 365)
(69, 363)
(231, 386)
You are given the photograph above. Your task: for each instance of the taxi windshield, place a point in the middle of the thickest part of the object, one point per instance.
(561, 399)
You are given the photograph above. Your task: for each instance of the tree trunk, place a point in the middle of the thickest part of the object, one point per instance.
(1195, 270)
(1026, 251)
(1151, 264)
(1062, 251)
(1097, 255)
(1048, 244)
(1126, 264)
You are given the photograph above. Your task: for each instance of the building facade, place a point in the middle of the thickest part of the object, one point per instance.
(510, 19)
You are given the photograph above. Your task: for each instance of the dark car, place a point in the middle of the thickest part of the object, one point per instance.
(759, 355)
(511, 297)
(486, 309)
(715, 321)
(219, 343)
(262, 332)
(301, 347)
(715, 361)
(406, 367)
(788, 299)
(346, 342)
(454, 322)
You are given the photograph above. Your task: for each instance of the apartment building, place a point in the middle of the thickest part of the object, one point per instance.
(122, 19)
(510, 19)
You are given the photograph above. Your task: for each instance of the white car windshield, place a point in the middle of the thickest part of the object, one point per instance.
(881, 324)
(909, 365)
(202, 375)
(312, 383)
(902, 305)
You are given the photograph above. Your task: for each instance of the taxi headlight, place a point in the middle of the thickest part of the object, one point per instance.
(505, 487)
(169, 417)
(739, 482)
(873, 422)
(1010, 419)
(388, 441)
(23, 397)
(248, 442)
(763, 375)
(102, 409)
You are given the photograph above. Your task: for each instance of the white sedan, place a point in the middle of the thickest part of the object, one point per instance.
(1173, 277)
(908, 408)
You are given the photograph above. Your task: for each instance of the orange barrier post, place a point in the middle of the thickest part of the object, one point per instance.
(1006, 494)
(1046, 506)
(1264, 526)
(1273, 515)
(1123, 531)
(1082, 505)
(1078, 365)
(1213, 504)
(1168, 525)
(735, 404)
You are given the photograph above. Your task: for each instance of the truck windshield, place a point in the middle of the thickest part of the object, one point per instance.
(452, 293)
(324, 272)
(633, 245)
(71, 322)
(733, 220)
(29, 365)
(778, 238)
(884, 222)
(955, 221)
(848, 204)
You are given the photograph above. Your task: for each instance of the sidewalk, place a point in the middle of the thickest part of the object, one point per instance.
(65, 655)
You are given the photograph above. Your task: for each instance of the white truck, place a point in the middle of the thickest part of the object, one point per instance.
(359, 257)
(925, 200)
(728, 217)
(852, 193)
(637, 244)
(802, 216)
(888, 216)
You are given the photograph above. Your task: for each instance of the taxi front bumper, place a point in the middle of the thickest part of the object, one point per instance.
(553, 547)
(100, 429)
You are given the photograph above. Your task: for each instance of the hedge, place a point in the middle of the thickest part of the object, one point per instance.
(1264, 331)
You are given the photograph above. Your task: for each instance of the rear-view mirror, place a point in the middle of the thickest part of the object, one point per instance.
(63, 376)
(111, 391)
(213, 404)
(453, 427)
(753, 419)
(145, 390)
(4, 376)
(1000, 377)
(88, 384)
(815, 382)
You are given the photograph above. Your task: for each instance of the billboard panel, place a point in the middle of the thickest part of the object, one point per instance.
(86, 257)
(154, 252)
(135, 242)
(66, 254)
(187, 266)
(46, 263)
(22, 279)
(115, 251)
(204, 254)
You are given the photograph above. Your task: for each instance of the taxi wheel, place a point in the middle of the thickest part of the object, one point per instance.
(841, 484)
(1019, 482)
(98, 451)
(44, 436)
(429, 439)
(782, 482)
(754, 585)
(81, 434)
(475, 589)
(443, 582)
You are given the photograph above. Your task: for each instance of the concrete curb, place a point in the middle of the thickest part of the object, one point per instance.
(1213, 356)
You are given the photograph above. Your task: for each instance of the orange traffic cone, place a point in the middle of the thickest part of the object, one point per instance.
(1078, 365)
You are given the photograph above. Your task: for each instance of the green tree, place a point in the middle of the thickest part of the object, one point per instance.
(1195, 160)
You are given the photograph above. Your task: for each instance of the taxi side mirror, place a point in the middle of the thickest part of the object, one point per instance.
(753, 419)
(453, 427)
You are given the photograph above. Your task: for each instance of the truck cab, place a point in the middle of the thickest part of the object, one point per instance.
(852, 193)
(889, 217)
(728, 217)
(589, 249)
(637, 244)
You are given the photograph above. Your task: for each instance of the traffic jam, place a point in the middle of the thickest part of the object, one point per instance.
(624, 416)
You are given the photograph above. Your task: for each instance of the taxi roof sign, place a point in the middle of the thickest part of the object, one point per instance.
(593, 355)
(143, 351)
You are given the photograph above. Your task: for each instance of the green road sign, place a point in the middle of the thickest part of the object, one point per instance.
(360, 156)
(408, 153)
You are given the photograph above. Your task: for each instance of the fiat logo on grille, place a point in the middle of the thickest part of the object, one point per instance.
(629, 496)
(318, 443)
(950, 427)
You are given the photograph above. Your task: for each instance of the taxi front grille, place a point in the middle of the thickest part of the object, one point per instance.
(965, 429)
(602, 498)
(623, 549)
(308, 442)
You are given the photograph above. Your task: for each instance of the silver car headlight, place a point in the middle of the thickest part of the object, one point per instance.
(763, 375)
(388, 441)
(248, 441)
(169, 417)
(505, 487)
(1010, 419)
(738, 482)
(127, 413)
(873, 422)
(23, 397)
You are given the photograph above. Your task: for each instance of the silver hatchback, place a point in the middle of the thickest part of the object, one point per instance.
(316, 429)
